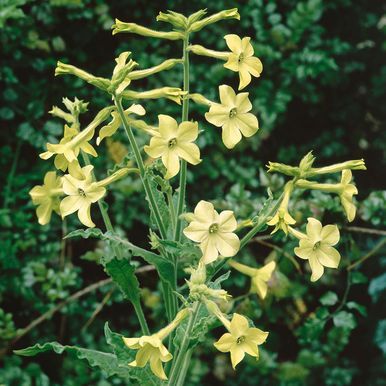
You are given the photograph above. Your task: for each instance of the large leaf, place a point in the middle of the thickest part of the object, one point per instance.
(107, 362)
(123, 274)
(164, 267)
(125, 356)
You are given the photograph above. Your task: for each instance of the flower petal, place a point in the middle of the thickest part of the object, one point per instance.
(167, 126)
(232, 63)
(228, 244)
(330, 234)
(225, 343)
(209, 251)
(172, 163)
(316, 268)
(237, 355)
(196, 231)
(247, 46)
(256, 335)
(84, 215)
(234, 43)
(227, 96)
(328, 256)
(243, 103)
(43, 212)
(231, 135)
(247, 124)
(70, 204)
(187, 131)
(239, 325)
(303, 253)
(217, 115)
(190, 152)
(254, 65)
(204, 212)
(227, 221)
(245, 76)
(314, 229)
(157, 147)
(156, 367)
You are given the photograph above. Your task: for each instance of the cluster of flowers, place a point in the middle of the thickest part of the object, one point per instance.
(215, 233)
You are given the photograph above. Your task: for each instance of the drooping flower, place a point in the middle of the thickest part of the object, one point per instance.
(346, 194)
(259, 276)
(317, 246)
(282, 219)
(213, 231)
(173, 142)
(241, 339)
(81, 192)
(110, 129)
(152, 350)
(47, 197)
(232, 114)
(241, 59)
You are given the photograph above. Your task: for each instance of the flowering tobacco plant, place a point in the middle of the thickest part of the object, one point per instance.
(200, 243)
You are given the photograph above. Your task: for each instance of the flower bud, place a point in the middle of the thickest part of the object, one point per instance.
(223, 15)
(173, 93)
(64, 69)
(358, 164)
(174, 18)
(200, 50)
(166, 65)
(58, 112)
(121, 26)
(306, 163)
(198, 275)
(200, 99)
(288, 170)
(115, 176)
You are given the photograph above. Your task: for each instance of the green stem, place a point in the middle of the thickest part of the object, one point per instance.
(141, 167)
(185, 116)
(118, 252)
(185, 367)
(183, 351)
(170, 300)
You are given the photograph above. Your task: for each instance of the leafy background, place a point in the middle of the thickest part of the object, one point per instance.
(323, 88)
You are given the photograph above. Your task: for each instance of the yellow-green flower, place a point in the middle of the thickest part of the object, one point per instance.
(69, 147)
(241, 59)
(282, 219)
(317, 246)
(60, 161)
(110, 129)
(173, 142)
(232, 114)
(46, 197)
(346, 194)
(81, 192)
(151, 349)
(259, 276)
(213, 231)
(241, 339)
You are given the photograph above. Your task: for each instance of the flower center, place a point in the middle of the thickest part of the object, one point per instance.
(241, 58)
(316, 246)
(240, 339)
(233, 112)
(172, 142)
(81, 192)
(213, 228)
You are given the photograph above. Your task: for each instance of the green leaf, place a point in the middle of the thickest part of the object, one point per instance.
(123, 274)
(377, 287)
(329, 298)
(359, 307)
(380, 335)
(107, 362)
(164, 267)
(358, 278)
(344, 319)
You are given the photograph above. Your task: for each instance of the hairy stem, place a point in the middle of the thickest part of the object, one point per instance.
(185, 116)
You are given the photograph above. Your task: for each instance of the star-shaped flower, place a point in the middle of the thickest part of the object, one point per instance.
(232, 114)
(81, 192)
(173, 142)
(46, 197)
(241, 59)
(241, 339)
(317, 246)
(213, 231)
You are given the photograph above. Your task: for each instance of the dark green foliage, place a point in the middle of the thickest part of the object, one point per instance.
(323, 88)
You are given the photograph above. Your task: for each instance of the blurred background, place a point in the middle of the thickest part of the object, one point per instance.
(322, 89)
